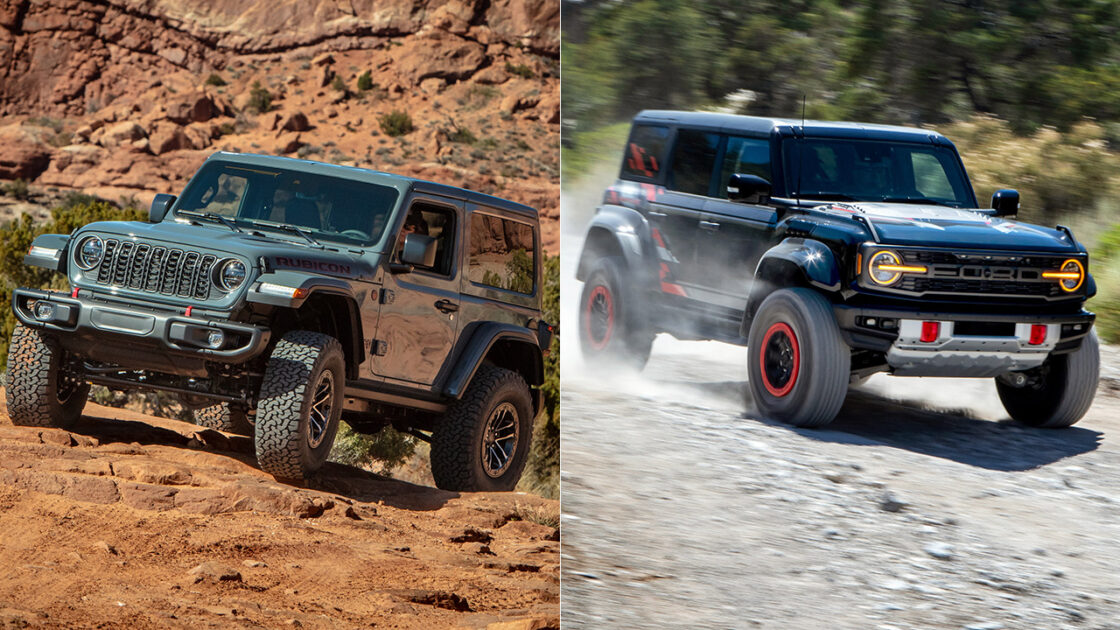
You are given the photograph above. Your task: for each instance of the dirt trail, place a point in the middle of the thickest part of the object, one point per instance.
(128, 520)
(921, 506)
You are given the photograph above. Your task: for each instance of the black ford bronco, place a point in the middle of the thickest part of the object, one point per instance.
(833, 251)
(278, 296)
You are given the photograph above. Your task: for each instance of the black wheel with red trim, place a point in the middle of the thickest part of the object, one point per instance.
(611, 330)
(798, 364)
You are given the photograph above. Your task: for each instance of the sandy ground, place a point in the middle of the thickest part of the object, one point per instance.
(133, 521)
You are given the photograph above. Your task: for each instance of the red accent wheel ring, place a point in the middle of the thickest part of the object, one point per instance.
(779, 328)
(599, 305)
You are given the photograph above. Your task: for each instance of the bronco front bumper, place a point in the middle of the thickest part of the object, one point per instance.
(961, 344)
(138, 336)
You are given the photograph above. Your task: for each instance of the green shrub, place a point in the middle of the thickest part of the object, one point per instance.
(215, 79)
(365, 81)
(462, 135)
(260, 98)
(396, 123)
(16, 188)
(338, 84)
(1104, 264)
(388, 447)
(520, 70)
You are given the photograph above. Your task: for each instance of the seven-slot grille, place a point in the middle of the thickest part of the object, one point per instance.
(156, 269)
(982, 274)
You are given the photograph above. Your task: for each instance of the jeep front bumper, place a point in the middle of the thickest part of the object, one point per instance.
(961, 344)
(136, 336)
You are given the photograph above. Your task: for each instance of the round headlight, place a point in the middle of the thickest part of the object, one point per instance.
(90, 251)
(881, 268)
(231, 274)
(1071, 276)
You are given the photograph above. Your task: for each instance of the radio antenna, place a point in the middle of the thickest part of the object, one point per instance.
(800, 152)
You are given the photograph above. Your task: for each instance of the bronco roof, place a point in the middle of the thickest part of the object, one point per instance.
(399, 182)
(813, 128)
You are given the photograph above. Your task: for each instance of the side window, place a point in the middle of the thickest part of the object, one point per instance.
(434, 221)
(929, 177)
(694, 158)
(644, 151)
(744, 156)
(225, 197)
(503, 254)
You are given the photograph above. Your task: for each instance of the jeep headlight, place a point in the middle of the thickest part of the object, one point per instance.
(885, 267)
(231, 274)
(89, 253)
(1069, 277)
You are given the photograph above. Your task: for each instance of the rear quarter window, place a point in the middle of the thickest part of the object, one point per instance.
(503, 254)
(644, 152)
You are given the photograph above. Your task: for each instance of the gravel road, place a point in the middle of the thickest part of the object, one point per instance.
(921, 506)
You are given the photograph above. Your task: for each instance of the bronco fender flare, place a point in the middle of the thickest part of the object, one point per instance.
(793, 262)
(619, 231)
(509, 346)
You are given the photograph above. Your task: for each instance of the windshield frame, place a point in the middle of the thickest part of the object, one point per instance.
(251, 224)
(790, 155)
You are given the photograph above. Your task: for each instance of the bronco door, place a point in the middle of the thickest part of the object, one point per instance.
(419, 320)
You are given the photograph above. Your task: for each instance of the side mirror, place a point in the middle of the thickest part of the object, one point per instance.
(748, 188)
(160, 205)
(1005, 202)
(420, 250)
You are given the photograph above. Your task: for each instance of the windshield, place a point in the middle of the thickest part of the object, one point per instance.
(841, 169)
(326, 208)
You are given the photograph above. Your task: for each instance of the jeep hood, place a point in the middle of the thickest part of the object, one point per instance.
(280, 250)
(937, 226)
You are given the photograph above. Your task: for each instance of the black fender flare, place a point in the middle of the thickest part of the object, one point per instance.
(811, 262)
(623, 232)
(475, 344)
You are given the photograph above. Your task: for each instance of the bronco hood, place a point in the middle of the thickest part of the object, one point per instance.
(938, 226)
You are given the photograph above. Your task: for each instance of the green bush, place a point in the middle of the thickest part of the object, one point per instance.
(1104, 264)
(260, 99)
(396, 123)
(388, 447)
(365, 81)
(462, 135)
(16, 188)
(338, 84)
(520, 70)
(215, 79)
(542, 474)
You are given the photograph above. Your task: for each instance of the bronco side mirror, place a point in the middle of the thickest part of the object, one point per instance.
(1005, 202)
(748, 188)
(160, 205)
(420, 250)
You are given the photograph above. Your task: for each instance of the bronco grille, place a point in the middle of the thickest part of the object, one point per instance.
(156, 269)
(993, 274)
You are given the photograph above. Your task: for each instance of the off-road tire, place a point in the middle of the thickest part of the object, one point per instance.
(224, 417)
(625, 338)
(34, 368)
(291, 379)
(457, 443)
(817, 382)
(1062, 394)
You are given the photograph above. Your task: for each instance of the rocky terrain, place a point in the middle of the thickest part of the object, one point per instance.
(124, 99)
(133, 521)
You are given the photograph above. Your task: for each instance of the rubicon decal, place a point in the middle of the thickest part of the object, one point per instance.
(315, 265)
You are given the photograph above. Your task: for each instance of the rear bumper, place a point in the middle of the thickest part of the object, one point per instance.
(968, 344)
(135, 336)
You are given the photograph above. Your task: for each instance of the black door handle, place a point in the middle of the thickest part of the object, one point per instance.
(447, 306)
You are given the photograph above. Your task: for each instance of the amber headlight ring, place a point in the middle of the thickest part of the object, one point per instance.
(885, 268)
(1071, 271)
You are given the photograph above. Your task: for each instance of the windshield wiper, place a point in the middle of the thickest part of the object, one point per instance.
(212, 216)
(826, 195)
(924, 200)
(288, 227)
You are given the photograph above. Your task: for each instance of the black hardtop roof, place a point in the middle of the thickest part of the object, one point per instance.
(765, 125)
(400, 182)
